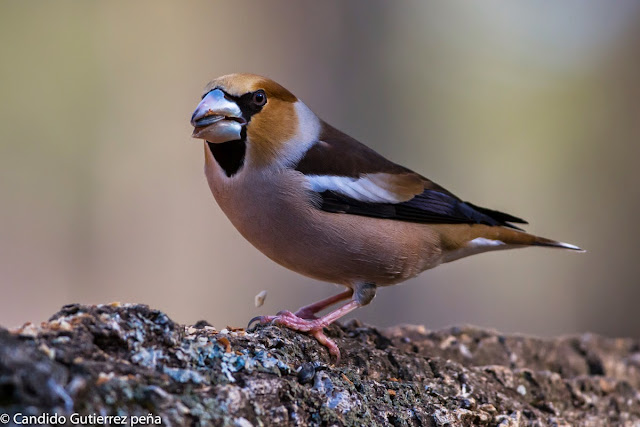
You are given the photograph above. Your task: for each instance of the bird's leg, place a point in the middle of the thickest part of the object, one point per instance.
(309, 311)
(362, 295)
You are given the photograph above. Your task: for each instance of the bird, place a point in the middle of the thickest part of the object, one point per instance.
(318, 202)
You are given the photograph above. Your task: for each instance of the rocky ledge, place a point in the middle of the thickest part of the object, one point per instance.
(132, 360)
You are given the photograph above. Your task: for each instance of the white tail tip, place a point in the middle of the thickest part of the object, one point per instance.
(570, 246)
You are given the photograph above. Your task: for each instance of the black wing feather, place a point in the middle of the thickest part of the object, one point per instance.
(429, 207)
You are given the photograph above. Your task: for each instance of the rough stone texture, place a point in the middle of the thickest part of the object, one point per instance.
(130, 359)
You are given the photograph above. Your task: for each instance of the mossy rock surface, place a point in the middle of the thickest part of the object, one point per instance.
(133, 360)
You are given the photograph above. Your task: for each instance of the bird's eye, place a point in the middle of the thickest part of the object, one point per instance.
(259, 98)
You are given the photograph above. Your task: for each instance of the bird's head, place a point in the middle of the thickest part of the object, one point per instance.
(247, 112)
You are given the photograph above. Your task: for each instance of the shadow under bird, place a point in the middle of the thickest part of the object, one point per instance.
(320, 203)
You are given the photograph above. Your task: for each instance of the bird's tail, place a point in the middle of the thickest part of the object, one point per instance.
(542, 241)
(520, 238)
(464, 240)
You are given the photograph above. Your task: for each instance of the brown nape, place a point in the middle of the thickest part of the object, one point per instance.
(273, 89)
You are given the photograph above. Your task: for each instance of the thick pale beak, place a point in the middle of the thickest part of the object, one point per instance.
(217, 119)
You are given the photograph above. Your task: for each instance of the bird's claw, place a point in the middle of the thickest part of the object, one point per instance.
(258, 319)
(313, 327)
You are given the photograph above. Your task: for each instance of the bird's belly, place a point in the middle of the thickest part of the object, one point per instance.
(332, 247)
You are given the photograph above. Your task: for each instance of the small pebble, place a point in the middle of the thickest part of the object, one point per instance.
(104, 377)
(306, 373)
(201, 324)
(28, 330)
(50, 352)
(259, 299)
(468, 403)
(487, 407)
(464, 351)
(242, 422)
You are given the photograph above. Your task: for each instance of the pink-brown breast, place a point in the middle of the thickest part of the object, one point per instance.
(273, 212)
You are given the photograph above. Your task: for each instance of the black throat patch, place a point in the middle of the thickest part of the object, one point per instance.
(229, 155)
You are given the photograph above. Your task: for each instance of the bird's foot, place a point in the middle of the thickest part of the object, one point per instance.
(296, 322)
(306, 313)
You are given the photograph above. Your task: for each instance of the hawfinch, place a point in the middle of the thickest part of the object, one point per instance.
(318, 202)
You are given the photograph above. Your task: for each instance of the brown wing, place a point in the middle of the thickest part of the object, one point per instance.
(352, 178)
(338, 154)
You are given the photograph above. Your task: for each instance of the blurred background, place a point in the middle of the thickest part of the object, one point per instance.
(527, 108)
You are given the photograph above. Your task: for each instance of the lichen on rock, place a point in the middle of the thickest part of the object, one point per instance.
(133, 360)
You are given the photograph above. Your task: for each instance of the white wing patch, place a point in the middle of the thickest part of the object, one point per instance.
(367, 188)
(481, 242)
(475, 246)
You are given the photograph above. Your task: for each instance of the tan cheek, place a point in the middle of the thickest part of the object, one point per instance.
(270, 129)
